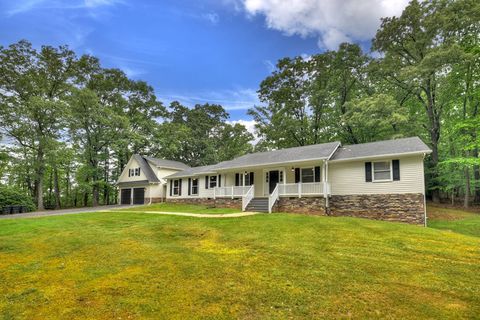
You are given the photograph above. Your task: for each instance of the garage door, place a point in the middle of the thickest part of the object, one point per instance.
(138, 195)
(126, 196)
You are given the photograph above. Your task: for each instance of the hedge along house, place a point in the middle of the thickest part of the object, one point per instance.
(143, 179)
(380, 180)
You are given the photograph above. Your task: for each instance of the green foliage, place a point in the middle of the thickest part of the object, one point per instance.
(12, 196)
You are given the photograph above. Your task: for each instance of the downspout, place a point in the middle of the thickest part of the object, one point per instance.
(424, 196)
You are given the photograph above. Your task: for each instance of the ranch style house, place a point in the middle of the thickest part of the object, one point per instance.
(380, 180)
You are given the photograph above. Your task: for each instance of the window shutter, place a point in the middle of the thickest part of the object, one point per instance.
(396, 170)
(206, 182)
(171, 187)
(219, 180)
(317, 174)
(368, 172)
(251, 178)
(189, 185)
(297, 175)
(180, 187)
(237, 179)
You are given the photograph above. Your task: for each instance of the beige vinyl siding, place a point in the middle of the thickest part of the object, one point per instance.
(348, 177)
(132, 164)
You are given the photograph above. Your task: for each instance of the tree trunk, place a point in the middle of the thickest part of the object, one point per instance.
(57, 188)
(95, 195)
(476, 177)
(39, 180)
(85, 199)
(466, 199)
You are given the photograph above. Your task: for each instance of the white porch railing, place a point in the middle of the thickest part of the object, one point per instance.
(232, 191)
(248, 197)
(272, 198)
(299, 189)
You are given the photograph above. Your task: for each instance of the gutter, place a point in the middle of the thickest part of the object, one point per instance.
(424, 152)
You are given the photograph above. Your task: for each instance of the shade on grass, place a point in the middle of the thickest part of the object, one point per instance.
(120, 265)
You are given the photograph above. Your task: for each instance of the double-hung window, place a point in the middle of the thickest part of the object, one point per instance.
(213, 182)
(176, 187)
(382, 171)
(194, 187)
(307, 175)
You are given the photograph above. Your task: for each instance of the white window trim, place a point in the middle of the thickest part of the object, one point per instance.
(313, 170)
(178, 188)
(390, 168)
(210, 182)
(191, 186)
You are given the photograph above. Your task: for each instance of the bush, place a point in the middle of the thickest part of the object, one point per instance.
(11, 196)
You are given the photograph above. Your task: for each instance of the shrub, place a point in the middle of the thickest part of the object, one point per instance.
(10, 196)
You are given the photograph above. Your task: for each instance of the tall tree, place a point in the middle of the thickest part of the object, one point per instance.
(32, 87)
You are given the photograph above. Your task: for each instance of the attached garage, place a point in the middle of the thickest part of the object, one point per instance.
(139, 196)
(126, 196)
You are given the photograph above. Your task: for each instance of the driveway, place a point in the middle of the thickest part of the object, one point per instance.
(62, 211)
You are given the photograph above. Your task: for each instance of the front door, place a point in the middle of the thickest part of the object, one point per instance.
(273, 180)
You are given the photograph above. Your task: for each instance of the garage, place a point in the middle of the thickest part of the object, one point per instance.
(139, 196)
(126, 196)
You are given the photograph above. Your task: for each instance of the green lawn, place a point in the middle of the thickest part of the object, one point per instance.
(125, 265)
(178, 207)
(455, 220)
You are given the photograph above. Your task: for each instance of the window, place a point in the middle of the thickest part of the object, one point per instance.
(382, 171)
(137, 171)
(176, 187)
(213, 181)
(129, 172)
(194, 187)
(280, 176)
(247, 179)
(307, 175)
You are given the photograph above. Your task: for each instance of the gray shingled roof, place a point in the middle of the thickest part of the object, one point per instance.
(167, 163)
(193, 171)
(146, 169)
(379, 148)
(312, 152)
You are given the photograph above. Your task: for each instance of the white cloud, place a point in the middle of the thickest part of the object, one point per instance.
(22, 6)
(235, 99)
(211, 17)
(250, 125)
(333, 21)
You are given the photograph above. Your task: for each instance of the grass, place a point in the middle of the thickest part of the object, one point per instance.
(179, 207)
(126, 265)
(454, 219)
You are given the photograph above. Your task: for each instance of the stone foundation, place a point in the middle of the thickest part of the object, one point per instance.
(407, 207)
(305, 205)
(154, 200)
(235, 203)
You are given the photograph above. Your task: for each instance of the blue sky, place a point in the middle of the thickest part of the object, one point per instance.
(214, 51)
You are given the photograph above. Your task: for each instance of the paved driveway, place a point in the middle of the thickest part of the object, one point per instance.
(62, 212)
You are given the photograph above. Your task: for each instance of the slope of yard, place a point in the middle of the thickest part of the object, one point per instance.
(454, 219)
(132, 265)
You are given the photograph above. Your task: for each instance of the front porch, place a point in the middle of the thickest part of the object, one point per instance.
(267, 184)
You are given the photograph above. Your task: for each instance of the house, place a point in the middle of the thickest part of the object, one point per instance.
(143, 179)
(379, 180)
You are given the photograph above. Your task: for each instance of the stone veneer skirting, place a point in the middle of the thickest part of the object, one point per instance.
(305, 205)
(408, 207)
(235, 203)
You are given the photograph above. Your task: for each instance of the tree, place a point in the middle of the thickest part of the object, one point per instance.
(32, 87)
(417, 60)
(201, 135)
(306, 99)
